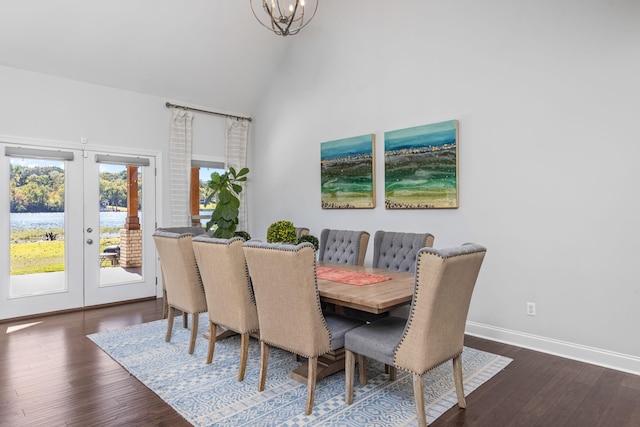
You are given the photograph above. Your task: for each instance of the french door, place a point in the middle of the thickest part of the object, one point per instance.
(75, 229)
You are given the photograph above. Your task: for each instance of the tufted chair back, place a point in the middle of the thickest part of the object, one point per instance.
(343, 246)
(398, 251)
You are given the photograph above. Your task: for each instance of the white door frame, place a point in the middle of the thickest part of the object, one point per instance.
(70, 298)
(29, 306)
(95, 292)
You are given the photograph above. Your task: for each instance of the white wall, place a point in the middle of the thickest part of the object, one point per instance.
(40, 108)
(547, 95)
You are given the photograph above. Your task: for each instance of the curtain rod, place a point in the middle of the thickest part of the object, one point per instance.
(169, 105)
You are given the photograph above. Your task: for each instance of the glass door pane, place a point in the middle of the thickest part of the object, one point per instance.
(114, 213)
(119, 218)
(37, 224)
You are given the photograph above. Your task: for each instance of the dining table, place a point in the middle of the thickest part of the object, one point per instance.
(372, 290)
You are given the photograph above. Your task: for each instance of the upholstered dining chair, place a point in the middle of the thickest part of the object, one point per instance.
(196, 231)
(343, 246)
(398, 251)
(227, 287)
(434, 332)
(182, 278)
(286, 291)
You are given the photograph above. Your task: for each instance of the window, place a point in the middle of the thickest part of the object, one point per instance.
(201, 171)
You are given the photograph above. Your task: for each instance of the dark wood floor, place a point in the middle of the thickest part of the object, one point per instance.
(52, 375)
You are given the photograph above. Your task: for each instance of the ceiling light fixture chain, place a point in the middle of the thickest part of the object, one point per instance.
(284, 17)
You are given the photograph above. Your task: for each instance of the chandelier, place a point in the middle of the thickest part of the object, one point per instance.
(284, 17)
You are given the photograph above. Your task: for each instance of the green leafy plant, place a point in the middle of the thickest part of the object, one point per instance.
(226, 188)
(310, 238)
(246, 236)
(281, 232)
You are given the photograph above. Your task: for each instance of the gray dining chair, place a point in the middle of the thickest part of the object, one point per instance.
(343, 246)
(434, 332)
(398, 251)
(286, 291)
(227, 287)
(184, 290)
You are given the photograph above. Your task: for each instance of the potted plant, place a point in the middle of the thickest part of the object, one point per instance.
(310, 238)
(226, 188)
(246, 236)
(285, 232)
(281, 232)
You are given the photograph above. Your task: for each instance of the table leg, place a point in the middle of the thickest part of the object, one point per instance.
(328, 364)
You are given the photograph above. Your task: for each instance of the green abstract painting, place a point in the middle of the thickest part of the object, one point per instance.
(347, 173)
(421, 167)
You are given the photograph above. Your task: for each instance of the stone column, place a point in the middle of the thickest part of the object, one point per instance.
(131, 235)
(130, 248)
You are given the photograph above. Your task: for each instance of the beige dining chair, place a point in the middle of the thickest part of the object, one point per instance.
(182, 279)
(196, 231)
(434, 332)
(343, 246)
(227, 287)
(286, 291)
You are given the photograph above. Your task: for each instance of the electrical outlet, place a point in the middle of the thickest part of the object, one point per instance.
(531, 309)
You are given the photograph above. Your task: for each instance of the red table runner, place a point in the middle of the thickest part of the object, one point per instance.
(349, 277)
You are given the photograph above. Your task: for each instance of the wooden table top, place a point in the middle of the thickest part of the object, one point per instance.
(375, 298)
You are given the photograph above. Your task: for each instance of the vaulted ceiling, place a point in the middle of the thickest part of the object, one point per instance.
(210, 53)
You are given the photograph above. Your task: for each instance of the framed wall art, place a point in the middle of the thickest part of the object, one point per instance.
(421, 167)
(347, 168)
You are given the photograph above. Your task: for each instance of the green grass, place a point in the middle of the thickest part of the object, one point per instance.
(31, 254)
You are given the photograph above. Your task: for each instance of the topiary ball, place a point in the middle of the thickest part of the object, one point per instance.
(281, 232)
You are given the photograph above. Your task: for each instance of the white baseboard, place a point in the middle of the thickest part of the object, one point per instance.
(595, 356)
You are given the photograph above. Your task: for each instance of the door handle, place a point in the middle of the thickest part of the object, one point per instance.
(90, 241)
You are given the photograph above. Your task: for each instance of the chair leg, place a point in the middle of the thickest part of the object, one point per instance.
(311, 383)
(392, 373)
(349, 371)
(362, 369)
(418, 396)
(264, 356)
(212, 341)
(194, 333)
(185, 320)
(244, 354)
(165, 304)
(169, 323)
(457, 378)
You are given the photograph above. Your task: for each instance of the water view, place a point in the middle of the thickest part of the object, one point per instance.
(55, 220)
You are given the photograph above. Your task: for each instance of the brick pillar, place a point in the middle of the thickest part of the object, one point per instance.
(130, 248)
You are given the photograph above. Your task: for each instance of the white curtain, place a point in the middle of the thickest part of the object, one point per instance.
(237, 136)
(180, 164)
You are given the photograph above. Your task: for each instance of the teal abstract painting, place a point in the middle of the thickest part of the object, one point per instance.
(347, 173)
(421, 167)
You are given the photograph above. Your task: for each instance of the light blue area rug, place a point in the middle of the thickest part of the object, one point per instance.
(210, 395)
